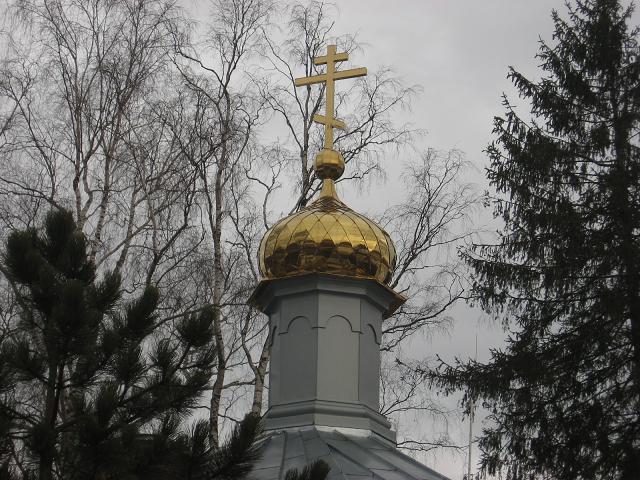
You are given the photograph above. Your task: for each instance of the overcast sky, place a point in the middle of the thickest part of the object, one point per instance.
(458, 52)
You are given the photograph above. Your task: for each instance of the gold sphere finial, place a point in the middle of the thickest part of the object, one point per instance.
(329, 164)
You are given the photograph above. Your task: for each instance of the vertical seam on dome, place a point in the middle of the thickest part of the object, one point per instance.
(382, 241)
(364, 238)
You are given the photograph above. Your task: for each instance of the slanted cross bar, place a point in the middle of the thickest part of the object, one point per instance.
(330, 77)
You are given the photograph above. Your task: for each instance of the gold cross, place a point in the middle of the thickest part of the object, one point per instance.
(330, 59)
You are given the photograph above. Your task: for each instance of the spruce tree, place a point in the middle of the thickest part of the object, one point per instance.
(90, 388)
(564, 275)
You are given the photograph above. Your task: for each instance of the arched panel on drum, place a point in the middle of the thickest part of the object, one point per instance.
(298, 350)
(338, 360)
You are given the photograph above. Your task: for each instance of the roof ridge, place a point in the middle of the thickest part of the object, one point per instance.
(370, 452)
(405, 457)
(284, 453)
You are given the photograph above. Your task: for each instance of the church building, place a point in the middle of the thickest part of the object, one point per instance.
(325, 273)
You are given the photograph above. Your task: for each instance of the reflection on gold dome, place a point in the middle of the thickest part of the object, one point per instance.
(327, 237)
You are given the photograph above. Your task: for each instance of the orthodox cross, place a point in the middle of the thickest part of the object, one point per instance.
(331, 75)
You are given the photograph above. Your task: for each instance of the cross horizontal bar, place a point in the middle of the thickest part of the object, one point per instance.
(333, 122)
(354, 72)
(299, 82)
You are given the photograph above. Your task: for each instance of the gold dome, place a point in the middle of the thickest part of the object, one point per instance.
(327, 237)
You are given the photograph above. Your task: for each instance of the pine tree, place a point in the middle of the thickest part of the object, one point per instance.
(89, 389)
(564, 276)
(317, 470)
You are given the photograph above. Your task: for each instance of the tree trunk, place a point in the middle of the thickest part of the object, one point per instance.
(50, 414)
(624, 209)
(260, 373)
(218, 279)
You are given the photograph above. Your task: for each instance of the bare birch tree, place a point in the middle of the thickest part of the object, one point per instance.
(428, 225)
(83, 134)
(216, 76)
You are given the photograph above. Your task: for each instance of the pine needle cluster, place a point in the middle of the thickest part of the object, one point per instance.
(92, 386)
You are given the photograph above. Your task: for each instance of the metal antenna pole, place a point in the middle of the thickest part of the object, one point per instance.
(471, 416)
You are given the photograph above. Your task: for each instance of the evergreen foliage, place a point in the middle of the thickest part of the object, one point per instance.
(564, 393)
(317, 470)
(235, 458)
(89, 389)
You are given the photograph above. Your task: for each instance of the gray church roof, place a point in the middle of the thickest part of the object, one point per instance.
(351, 457)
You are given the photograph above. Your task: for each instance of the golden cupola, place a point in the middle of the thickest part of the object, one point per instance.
(327, 236)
